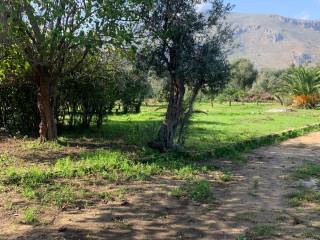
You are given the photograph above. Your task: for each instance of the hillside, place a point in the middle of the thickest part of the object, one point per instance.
(272, 41)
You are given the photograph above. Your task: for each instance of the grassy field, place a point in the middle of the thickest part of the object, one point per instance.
(217, 126)
(99, 166)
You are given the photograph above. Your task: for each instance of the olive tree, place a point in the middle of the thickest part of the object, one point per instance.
(51, 32)
(243, 74)
(187, 48)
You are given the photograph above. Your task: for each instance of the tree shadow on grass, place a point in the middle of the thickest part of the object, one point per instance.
(151, 213)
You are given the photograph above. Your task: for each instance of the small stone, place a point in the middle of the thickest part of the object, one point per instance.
(62, 229)
(296, 221)
(125, 203)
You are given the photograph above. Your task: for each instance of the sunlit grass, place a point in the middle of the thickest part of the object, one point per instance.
(221, 125)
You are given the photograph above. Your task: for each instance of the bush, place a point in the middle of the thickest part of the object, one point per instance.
(303, 84)
(18, 96)
(18, 106)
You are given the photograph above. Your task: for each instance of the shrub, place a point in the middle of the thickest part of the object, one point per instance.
(303, 84)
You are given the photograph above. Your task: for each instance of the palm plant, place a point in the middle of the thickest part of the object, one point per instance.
(304, 85)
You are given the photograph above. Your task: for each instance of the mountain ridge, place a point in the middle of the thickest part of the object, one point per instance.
(274, 41)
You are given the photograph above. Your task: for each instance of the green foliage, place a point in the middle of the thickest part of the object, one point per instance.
(59, 195)
(199, 191)
(307, 171)
(104, 161)
(302, 81)
(226, 177)
(133, 88)
(312, 235)
(262, 230)
(91, 92)
(31, 177)
(18, 109)
(304, 85)
(56, 37)
(222, 131)
(29, 216)
(269, 81)
(243, 74)
(231, 94)
(183, 51)
(303, 196)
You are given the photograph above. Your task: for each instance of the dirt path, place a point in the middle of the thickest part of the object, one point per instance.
(255, 200)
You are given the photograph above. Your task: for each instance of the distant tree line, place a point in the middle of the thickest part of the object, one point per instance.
(297, 85)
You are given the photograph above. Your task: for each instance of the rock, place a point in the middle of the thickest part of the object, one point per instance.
(125, 203)
(62, 229)
(311, 183)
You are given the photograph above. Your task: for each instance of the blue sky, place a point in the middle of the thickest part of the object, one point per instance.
(302, 9)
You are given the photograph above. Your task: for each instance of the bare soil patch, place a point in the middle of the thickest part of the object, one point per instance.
(255, 203)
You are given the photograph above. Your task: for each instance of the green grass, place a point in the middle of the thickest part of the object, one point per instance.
(224, 130)
(47, 184)
(29, 216)
(198, 191)
(312, 235)
(224, 124)
(263, 230)
(307, 171)
(303, 196)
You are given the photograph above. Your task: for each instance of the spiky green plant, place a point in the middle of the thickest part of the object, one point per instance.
(303, 81)
(304, 85)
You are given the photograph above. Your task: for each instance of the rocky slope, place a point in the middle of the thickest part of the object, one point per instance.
(272, 41)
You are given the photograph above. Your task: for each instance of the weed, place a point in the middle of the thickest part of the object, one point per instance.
(32, 176)
(36, 145)
(59, 195)
(226, 177)
(28, 192)
(6, 160)
(262, 230)
(106, 196)
(255, 185)
(29, 216)
(186, 172)
(311, 235)
(307, 171)
(303, 196)
(247, 217)
(178, 192)
(199, 191)
(121, 192)
(105, 162)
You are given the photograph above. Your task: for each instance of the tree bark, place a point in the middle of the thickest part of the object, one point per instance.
(167, 132)
(46, 104)
(187, 115)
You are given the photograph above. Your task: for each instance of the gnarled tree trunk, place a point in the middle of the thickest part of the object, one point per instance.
(46, 104)
(168, 129)
(187, 115)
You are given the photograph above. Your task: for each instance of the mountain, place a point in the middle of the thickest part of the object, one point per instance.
(272, 41)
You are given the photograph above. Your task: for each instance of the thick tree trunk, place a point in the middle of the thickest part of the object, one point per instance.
(187, 115)
(167, 132)
(46, 105)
